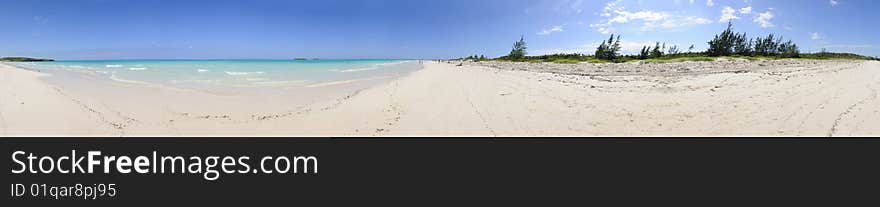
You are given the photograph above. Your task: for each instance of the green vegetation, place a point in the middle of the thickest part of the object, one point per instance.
(609, 50)
(557, 58)
(654, 52)
(566, 61)
(476, 58)
(518, 52)
(824, 55)
(727, 44)
(682, 59)
(23, 59)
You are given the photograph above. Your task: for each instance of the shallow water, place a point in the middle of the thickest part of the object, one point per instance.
(216, 75)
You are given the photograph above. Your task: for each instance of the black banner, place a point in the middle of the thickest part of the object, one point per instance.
(460, 172)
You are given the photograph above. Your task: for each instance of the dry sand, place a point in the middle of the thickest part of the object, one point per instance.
(721, 98)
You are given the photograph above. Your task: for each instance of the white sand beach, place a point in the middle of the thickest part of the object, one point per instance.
(721, 98)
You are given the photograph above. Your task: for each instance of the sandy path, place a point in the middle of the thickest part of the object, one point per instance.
(832, 99)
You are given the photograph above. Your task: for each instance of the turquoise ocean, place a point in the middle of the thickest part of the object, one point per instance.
(231, 73)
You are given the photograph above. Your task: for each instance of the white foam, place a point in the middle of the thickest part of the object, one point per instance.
(193, 81)
(374, 67)
(393, 63)
(279, 83)
(115, 78)
(340, 82)
(202, 70)
(137, 68)
(357, 69)
(113, 66)
(243, 73)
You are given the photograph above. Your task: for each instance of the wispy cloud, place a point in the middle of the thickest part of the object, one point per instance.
(556, 6)
(551, 30)
(745, 10)
(763, 19)
(833, 2)
(677, 22)
(41, 19)
(710, 3)
(815, 36)
(728, 14)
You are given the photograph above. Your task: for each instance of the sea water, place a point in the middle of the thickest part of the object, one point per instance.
(232, 73)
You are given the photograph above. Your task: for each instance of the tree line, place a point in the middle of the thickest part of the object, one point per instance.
(728, 43)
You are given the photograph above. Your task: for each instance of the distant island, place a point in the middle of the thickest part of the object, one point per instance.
(23, 59)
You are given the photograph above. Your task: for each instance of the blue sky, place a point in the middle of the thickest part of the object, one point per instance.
(124, 29)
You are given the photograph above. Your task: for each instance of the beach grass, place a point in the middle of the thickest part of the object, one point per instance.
(566, 61)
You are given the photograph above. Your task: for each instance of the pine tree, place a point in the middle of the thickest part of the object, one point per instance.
(741, 45)
(646, 51)
(609, 49)
(789, 50)
(657, 52)
(614, 49)
(600, 51)
(519, 49)
(722, 45)
(673, 50)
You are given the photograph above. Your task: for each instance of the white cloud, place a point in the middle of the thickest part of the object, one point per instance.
(815, 36)
(603, 28)
(728, 14)
(611, 6)
(710, 3)
(833, 2)
(551, 30)
(745, 10)
(677, 22)
(763, 19)
(615, 15)
(692, 1)
(649, 16)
